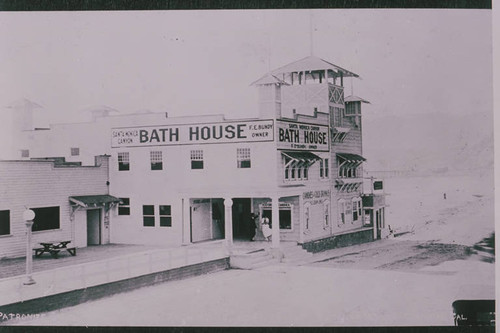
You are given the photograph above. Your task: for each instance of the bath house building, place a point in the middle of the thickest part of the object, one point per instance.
(182, 180)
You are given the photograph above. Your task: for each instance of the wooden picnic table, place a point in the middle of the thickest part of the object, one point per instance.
(54, 248)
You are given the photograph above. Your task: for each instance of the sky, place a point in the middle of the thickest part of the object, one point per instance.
(203, 62)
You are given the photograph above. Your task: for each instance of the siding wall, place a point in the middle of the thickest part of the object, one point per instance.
(35, 184)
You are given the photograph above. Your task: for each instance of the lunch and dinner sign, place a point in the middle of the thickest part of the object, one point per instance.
(185, 134)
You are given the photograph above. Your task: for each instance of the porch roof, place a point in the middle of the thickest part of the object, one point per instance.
(86, 201)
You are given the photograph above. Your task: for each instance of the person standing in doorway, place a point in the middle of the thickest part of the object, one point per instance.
(266, 229)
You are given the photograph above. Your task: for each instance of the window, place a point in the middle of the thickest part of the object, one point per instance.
(337, 116)
(326, 214)
(285, 215)
(75, 151)
(342, 212)
(4, 222)
(295, 170)
(46, 218)
(165, 216)
(307, 215)
(323, 168)
(348, 170)
(356, 209)
(156, 160)
(123, 161)
(196, 159)
(243, 157)
(25, 153)
(124, 206)
(148, 212)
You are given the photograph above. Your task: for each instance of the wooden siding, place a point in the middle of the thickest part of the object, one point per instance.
(36, 184)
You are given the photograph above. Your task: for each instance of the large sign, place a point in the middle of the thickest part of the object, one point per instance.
(302, 136)
(186, 134)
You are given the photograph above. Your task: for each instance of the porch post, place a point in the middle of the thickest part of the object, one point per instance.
(276, 222)
(186, 221)
(301, 219)
(228, 221)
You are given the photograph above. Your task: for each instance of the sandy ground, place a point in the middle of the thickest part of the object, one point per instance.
(409, 280)
(288, 296)
(465, 217)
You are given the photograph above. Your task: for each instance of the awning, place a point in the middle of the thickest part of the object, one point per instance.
(301, 156)
(87, 201)
(351, 158)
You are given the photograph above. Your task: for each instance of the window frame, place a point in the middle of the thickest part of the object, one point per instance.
(75, 151)
(197, 159)
(4, 219)
(156, 159)
(123, 161)
(283, 206)
(356, 209)
(168, 216)
(243, 155)
(125, 206)
(342, 217)
(41, 212)
(146, 217)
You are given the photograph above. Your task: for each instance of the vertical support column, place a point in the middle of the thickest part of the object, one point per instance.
(186, 221)
(228, 221)
(276, 223)
(301, 219)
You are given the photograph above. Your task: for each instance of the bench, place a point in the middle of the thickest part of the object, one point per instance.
(41, 250)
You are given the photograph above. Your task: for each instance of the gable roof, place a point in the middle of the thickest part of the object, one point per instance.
(312, 63)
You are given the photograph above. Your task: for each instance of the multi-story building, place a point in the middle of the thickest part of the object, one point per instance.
(189, 179)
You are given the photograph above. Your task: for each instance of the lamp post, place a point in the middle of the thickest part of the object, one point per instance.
(28, 216)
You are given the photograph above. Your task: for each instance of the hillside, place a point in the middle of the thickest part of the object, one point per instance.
(429, 142)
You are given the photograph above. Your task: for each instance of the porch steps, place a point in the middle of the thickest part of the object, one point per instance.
(252, 260)
(295, 254)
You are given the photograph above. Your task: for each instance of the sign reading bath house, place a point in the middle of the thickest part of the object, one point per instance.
(185, 134)
(302, 136)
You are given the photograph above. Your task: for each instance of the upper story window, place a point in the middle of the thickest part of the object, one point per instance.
(296, 165)
(46, 218)
(124, 206)
(197, 159)
(75, 151)
(4, 222)
(25, 153)
(324, 167)
(337, 116)
(243, 157)
(349, 165)
(123, 161)
(156, 160)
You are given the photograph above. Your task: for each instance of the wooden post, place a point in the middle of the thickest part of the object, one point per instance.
(276, 222)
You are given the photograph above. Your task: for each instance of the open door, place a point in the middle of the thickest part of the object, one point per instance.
(93, 227)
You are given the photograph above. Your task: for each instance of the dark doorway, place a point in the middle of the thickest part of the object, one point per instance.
(243, 225)
(93, 227)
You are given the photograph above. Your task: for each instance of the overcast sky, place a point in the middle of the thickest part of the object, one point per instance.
(202, 62)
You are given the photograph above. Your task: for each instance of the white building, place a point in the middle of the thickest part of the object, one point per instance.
(189, 179)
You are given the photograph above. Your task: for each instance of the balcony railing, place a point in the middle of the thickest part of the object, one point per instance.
(336, 94)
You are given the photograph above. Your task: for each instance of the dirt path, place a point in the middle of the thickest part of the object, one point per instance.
(397, 255)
